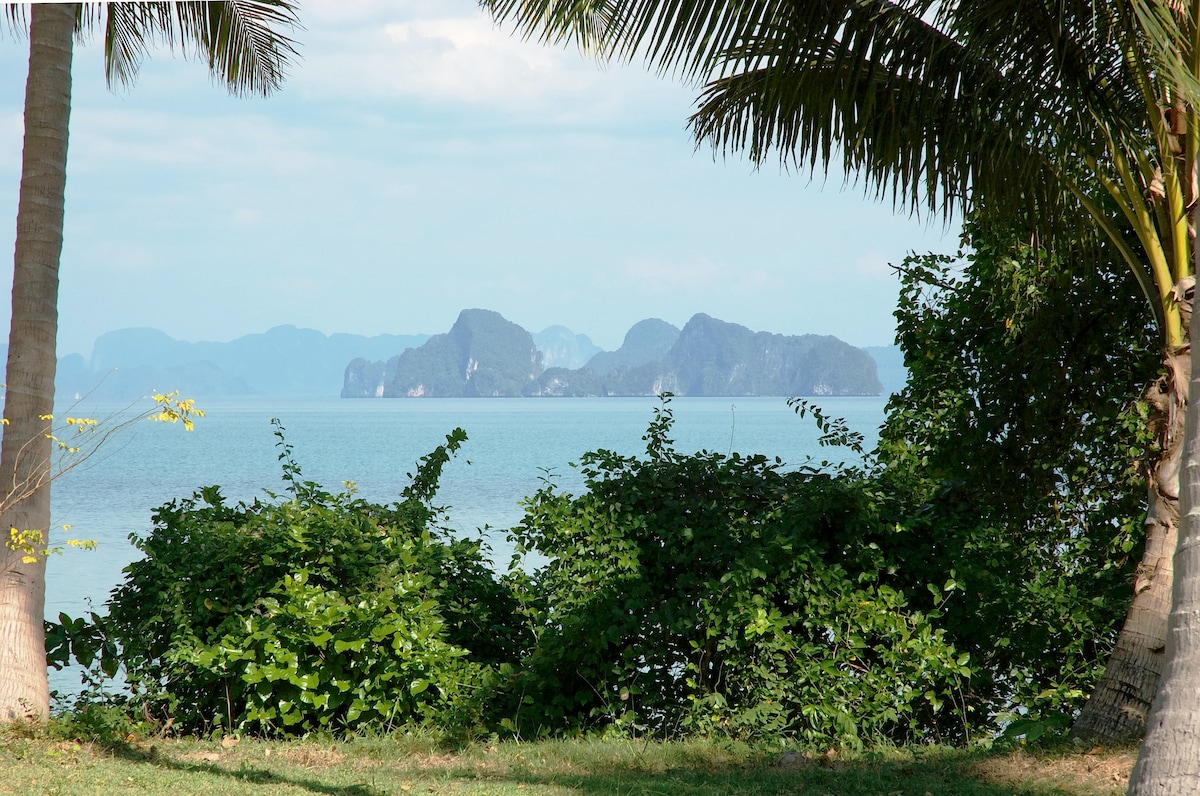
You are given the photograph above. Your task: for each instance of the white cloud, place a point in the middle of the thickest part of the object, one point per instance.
(317, 14)
(657, 275)
(248, 217)
(450, 53)
(228, 143)
(693, 278)
(875, 266)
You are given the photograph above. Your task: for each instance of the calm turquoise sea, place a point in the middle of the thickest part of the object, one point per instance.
(512, 444)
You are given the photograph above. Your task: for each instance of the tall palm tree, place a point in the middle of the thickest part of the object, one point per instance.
(1083, 110)
(245, 47)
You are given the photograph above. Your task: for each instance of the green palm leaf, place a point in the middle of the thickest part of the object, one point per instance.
(241, 40)
(244, 42)
(943, 106)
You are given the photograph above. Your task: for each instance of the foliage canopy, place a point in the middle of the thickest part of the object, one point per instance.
(315, 612)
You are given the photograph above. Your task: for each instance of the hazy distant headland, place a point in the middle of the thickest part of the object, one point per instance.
(129, 363)
(482, 355)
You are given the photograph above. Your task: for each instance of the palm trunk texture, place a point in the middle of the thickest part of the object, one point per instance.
(29, 395)
(1117, 710)
(1169, 762)
(1169, 759)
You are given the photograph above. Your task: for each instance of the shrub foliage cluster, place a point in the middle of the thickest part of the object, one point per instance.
(1020, 442)
(711, 593)
(313, 611)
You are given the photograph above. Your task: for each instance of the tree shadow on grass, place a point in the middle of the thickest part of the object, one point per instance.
(245, 773)
(936, 772)
(959, 774)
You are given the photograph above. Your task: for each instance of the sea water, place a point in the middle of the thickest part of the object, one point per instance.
(513, 444)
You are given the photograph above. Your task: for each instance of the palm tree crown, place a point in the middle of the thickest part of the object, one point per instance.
(1061, 106)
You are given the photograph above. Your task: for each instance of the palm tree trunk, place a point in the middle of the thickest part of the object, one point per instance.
(29, 396)
(1118, 708)
(1169, 760)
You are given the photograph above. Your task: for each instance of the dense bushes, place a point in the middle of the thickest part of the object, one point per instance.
(1019, 441)
(316, 612)
(705, 593)
(683, 594)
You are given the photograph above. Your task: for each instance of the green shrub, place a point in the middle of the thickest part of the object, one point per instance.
(314, 612)
(722, 594)
(1021, 442)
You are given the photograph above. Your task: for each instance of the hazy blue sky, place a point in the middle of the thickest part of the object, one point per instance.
(419, 161)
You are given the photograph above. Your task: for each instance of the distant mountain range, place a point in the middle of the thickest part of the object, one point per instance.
(130, 363)
(485, 355)
(289, 361)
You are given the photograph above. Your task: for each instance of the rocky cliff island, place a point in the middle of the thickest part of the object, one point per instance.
(485, 355)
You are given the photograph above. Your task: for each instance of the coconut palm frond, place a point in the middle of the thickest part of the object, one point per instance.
(243, 41)
(1169, 32)
(127, 37)
(588, 23)
(681, 37)
(926, 97)
(16, 19)
(939, 104)
(918, 113)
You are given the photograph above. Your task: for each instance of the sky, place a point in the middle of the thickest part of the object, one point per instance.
(420, 160)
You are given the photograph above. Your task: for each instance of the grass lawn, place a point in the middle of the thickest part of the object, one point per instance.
(400, 765)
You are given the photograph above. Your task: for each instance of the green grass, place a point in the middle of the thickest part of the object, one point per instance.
(35, 763)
